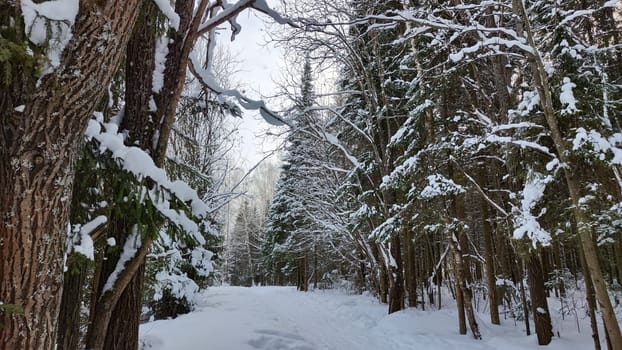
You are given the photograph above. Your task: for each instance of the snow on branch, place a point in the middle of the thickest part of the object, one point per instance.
(438, 185)
(206, 78)
(571, 15)
(37, 18)
(333, 140)
(81, 241)
(602, 146)
(140, 164)
(522, 143)
(229, 12)
(168, 11)
(132, 244)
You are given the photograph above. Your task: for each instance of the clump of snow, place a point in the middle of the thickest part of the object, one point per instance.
(384, 231)
(169, 12)
(599, 144)
(81, 241)
(525, 223)
(179, 285)
(50, 22)
(161, 51)
(131, 246)
(529, 101)
(140, 163)
(566, 97)
(438, 185)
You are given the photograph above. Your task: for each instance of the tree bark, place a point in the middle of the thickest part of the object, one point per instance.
(540, 308)
(38, 148)
(122, 332)
(490, 266)
(591, 301)
(524, 302)
(463, 288)
(411, 272)
(396, 280)
(69, 317)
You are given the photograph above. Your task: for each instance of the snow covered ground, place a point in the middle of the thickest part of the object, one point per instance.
(280, 318)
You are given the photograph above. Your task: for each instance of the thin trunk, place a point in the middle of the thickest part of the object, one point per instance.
(618, 253)
(411, 275)
(462, 328)
(463, 288)
(591, 301)
(316, 273)
(490, 266)
(524, 302)
(383, 288)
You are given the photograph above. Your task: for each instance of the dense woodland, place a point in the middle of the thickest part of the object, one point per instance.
(462, 149)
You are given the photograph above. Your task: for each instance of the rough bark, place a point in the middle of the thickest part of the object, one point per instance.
(540, 308)
(69, 317)
(38, 148)
(122, 332)
(462, 328)
(396, 280)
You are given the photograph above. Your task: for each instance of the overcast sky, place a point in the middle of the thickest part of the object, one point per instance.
(258, 69)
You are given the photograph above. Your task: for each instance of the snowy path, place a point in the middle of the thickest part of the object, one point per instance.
(279, 318)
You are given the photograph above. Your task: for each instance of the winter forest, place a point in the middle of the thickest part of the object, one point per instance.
(447, 175)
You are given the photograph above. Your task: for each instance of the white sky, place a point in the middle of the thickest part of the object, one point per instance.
(258, 68)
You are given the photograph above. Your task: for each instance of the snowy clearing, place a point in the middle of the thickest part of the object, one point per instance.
(280, 318)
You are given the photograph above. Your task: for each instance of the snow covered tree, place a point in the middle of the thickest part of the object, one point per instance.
(244, 248)
(287, 224)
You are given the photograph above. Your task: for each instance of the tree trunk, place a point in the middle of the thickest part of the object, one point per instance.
(524, 302)
(540, 308)
(383, 288)
(38, 147)
(591, 301)
(411, 275)
(316, 272)
(462, 328)
(122, 332)
(69, 317)
(462, 286)
(490, 266)
(618, 256)
(396, 280)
